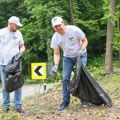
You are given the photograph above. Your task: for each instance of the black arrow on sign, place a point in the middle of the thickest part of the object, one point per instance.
(37, 70)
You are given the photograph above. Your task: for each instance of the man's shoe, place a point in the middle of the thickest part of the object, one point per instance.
(19, 110)
(84, 103)
(6, 109)
(64, 106)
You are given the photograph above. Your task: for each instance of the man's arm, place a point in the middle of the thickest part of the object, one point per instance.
(56, 61)
(56, 56)
(84, 43)
(22, 48)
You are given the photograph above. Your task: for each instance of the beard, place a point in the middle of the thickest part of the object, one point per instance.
(13, 30)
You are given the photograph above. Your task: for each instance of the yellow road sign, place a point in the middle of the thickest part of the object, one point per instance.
(38, 70)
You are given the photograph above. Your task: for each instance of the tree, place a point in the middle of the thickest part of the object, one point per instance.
(119, 26)
(109, 40)
(89, 20)
(119, 35)
(10, 8)
(71, 12)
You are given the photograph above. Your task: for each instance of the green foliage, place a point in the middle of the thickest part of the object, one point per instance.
(96, 67)
(10, 115)
(28, 80)
(10, 8)
(51, 79)
(116, 41)
(114, 19)
(38, 30)
(90, 15)
(88, 9)
(88, 20)
(55, 78)
(116, 78)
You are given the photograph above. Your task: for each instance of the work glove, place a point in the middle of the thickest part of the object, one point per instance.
(54, 69)
(80, 53)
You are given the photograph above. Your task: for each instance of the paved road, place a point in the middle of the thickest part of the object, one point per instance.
(29, 90)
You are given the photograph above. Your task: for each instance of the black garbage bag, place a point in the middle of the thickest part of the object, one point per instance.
(85, 87)
(13, 70)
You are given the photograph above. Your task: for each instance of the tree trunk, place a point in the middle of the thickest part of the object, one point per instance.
(119, 35)
(119, 25)
(71, 12)
(109, 40)
(118, 3)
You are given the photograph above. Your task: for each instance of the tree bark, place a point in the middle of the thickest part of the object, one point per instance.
(71, 12)
(118, 3)
(119, 35)
(109, 40)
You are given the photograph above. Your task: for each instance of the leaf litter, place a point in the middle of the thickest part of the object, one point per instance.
(45, 106)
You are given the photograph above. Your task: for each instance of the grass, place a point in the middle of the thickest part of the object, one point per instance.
(45, 106)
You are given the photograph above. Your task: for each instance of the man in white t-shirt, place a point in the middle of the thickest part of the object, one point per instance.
(11, 43)
(73, 42)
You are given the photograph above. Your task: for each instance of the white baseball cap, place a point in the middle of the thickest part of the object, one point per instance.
(15, 20)
(56, 21)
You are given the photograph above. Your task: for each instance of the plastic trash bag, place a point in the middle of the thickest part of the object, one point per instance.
(85, 87)
(13, 70)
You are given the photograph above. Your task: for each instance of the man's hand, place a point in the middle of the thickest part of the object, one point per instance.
(54, 69)
(80, 53)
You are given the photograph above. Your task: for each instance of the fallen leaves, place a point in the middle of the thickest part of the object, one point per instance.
(45, 106)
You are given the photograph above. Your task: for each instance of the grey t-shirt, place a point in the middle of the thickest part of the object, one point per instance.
(70, 42)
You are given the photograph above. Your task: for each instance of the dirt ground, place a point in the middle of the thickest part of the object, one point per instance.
(45, 106)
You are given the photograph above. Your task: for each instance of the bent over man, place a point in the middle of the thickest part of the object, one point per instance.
(73, 42)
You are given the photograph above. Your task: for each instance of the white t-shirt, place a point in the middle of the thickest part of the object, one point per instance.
(70, 42)
(9, 44)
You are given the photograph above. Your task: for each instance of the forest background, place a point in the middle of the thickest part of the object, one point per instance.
(99, 19)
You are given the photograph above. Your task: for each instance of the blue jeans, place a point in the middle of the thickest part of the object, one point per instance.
(6, 95)
(68, 64)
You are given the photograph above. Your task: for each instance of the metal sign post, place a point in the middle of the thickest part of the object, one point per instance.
(38, 72)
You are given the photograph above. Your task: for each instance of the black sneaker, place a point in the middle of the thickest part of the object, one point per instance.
(6, 109)
(64, 106)
(19, 110)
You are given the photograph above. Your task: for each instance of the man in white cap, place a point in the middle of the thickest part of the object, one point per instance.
(11, 42)
(73, 42)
